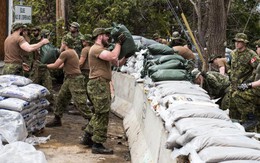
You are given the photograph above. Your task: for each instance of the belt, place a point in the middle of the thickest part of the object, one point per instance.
(101, 79)
(15, 62)
(72, 75)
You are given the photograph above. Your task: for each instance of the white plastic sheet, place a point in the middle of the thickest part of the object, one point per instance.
(21, 152)
(12, 126)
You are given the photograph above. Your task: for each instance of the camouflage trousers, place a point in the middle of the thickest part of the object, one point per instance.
(73, 88)
(13, 68)
(99, 93)
(43, 77)
(85, 73)
(245, 102)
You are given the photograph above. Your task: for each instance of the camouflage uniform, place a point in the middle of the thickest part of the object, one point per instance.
(243, 65)
(72, 87)
(41, 75)
(215, 84)
(77, 45)
(14, 66)
(99, 93)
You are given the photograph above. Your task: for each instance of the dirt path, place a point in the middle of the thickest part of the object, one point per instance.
(64, 147)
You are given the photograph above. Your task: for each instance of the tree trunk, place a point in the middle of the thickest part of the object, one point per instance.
(217, 27)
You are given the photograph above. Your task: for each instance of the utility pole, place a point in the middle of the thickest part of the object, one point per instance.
(4, 25)
(60, 18)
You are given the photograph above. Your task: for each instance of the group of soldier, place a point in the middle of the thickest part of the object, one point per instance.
(86, 65)
(236, 83)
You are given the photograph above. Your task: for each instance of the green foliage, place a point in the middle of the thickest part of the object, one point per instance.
(141, 17)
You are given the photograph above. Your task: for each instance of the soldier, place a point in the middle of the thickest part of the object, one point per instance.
(83, 61)
(73, 85)
(75, 34)
(35, 35)
(177, 40)
(257, 43)
(98, 89)
(41, 75)
(157, 38)
(213, 82)
(222, 63)
(15, 46)
(242, 103)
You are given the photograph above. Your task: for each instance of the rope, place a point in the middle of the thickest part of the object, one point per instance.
(178, 20)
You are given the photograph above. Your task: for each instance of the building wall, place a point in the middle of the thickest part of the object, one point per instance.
(3, 26)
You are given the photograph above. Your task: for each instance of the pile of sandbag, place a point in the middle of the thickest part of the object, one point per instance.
(197, 127)
(19, 96)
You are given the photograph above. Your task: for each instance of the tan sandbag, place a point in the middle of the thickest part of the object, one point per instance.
(184, 52)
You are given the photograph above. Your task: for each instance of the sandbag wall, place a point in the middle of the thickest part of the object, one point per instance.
(196, 127)
(20, 95)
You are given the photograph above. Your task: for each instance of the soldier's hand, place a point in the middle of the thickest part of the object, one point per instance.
(244, 86)
(121, 39)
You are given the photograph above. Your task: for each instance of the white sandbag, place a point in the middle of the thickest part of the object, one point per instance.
(240, 161)
(16, 92)
(171, 140)
(200, 142)
(7, 80)
(12, 126)
(15, 104)
(218, 154)
(21, 152)
(29, 92)
(42, 103)
(199, 113)
(188, 123)
(203, 130)
(40, 90)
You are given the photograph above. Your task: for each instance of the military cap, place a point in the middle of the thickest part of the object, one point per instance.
(241, 37)
(156, 36)
(17, 25)
(176, 35)
(213, 56)
(195, 73)
(257, 43)
(75, 25)
(68, 40)
(99, 31)
(86, 37)
(45, 32)
(37, 28)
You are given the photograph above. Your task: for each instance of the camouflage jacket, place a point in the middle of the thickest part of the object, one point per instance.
(215, 84)
(242, 67)
(77, 45)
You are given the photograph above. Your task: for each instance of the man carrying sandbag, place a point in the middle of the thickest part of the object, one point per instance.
(100, 75)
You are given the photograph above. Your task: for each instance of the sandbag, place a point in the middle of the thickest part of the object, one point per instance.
(172, 64)
(49, 53)
(128, 48)
(170, 74)
(184, 52)
(217, 154)
(166, 58)
(160, 49)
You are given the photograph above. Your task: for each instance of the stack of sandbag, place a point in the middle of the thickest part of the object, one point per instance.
(20, 95)
(197, 128)
(166, 64)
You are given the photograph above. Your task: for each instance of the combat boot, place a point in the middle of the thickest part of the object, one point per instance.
(251, 123)
(98, 148)
(86, 139)
(55, 122)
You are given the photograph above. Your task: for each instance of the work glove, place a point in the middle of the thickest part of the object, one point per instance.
(244, 86)
(121, 39)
